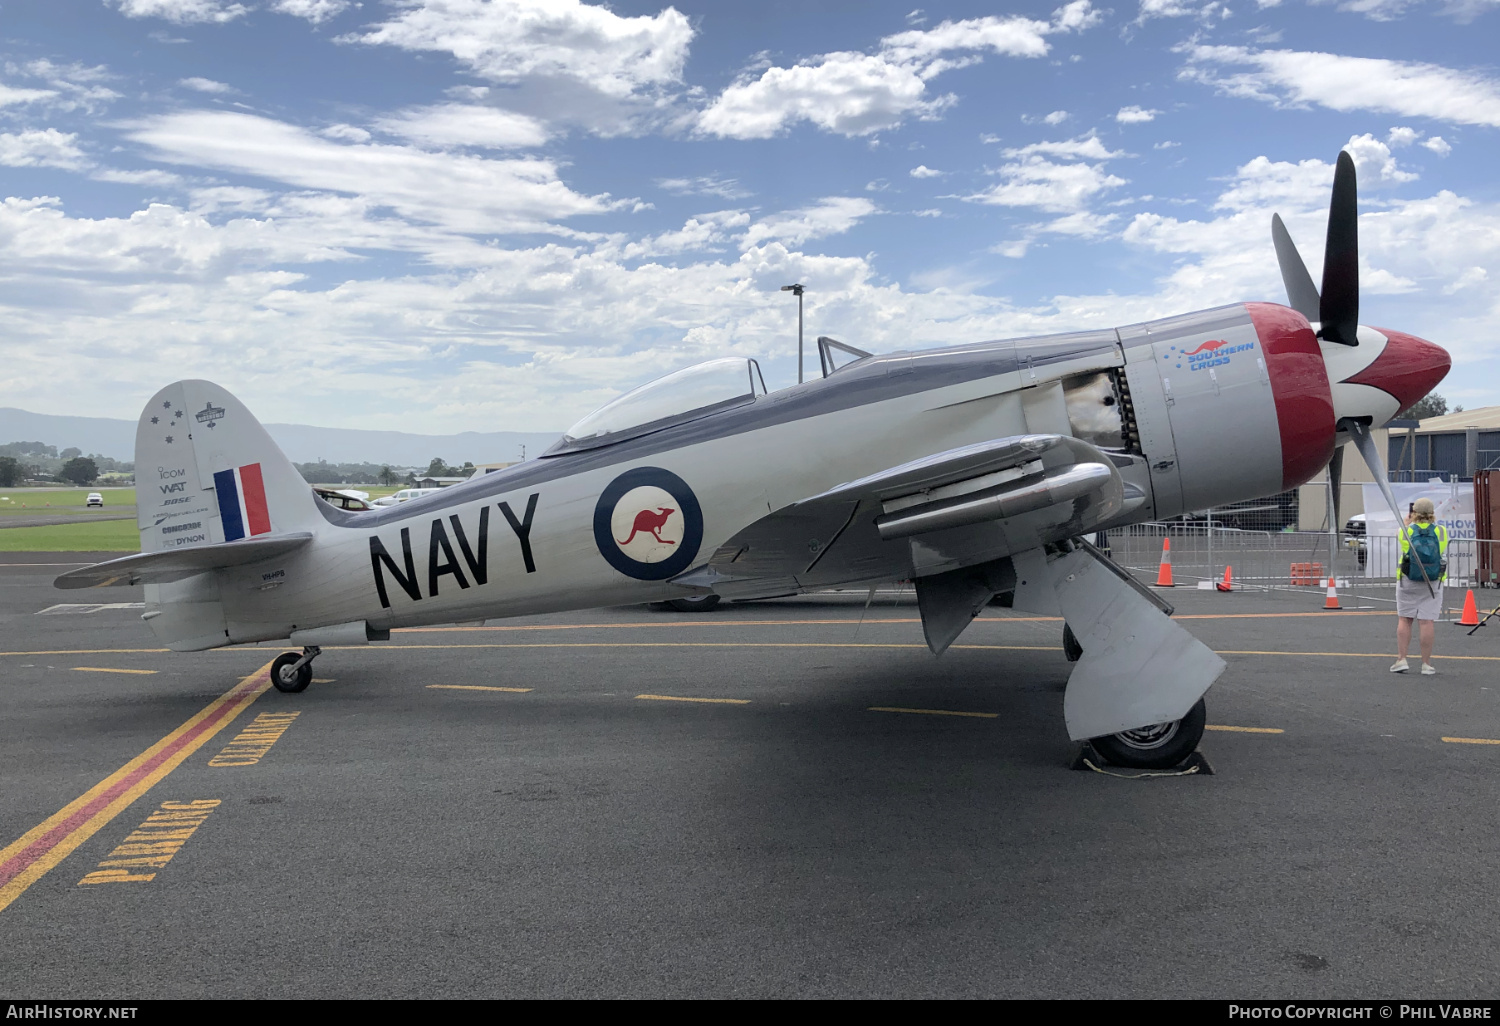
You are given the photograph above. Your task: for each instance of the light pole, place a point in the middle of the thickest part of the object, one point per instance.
(796, 290)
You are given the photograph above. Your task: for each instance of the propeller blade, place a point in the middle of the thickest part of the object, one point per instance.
(1338, 307)
(1335, 481)
(1301, 293)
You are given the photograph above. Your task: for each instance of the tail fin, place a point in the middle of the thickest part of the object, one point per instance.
(206, 472)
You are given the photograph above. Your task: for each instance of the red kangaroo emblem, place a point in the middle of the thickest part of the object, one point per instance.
(1208, 347)
(650, 523)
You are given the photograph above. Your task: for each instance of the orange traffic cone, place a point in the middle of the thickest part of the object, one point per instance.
(1332, 601)
(1471, 611)
(1225, 584)
(1164, 572)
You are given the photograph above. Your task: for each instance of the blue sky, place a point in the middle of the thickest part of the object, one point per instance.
(439, 215)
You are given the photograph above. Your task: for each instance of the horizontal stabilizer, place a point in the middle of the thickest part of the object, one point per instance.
(177, 564)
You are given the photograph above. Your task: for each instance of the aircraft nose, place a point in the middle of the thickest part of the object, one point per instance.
(1407, 369)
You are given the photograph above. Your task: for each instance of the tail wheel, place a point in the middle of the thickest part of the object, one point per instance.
(1071, 648)
(285, 678)
(1157, 746)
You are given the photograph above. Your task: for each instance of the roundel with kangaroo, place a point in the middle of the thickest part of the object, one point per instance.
(648, 524)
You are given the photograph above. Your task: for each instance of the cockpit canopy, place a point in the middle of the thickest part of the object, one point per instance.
(678, 397)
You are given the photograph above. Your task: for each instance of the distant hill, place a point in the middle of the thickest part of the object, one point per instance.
(301, 442)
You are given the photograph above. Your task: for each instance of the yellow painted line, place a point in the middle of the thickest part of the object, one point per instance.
(109, 669)
(476, 687)
(1244, 730)
(678, 698)
(931, 712)
(30, 857)
(1471, 741)
(86, 651)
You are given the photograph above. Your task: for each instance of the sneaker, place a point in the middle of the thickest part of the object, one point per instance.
(1399, 666)
(1428, 669)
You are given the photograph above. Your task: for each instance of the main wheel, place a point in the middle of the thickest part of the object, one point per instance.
(1071, 648)
(1158, 746)
(697, 604)
(289, 680)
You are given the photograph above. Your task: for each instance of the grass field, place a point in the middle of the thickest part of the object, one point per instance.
(104, 536)
(61, 500)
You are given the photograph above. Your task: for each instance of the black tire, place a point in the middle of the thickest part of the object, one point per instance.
(290, 682)
(698, 604)
(1159, 746)
(1071, 648)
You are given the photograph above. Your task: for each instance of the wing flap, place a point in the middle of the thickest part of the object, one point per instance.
(178, 564)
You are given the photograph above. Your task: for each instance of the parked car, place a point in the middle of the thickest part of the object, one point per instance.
(353, 501)
(94, 499)
(403, 495)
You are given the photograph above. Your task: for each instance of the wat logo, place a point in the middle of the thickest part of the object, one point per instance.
(1216, 352)
(648, 525)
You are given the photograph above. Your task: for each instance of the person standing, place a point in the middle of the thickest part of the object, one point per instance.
(1419, 584)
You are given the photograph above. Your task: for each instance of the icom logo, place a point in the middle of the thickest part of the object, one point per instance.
(648, 525)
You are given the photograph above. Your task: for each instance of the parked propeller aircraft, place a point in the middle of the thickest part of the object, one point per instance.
(972, 471)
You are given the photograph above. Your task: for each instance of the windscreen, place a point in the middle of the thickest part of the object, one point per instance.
(682, 392)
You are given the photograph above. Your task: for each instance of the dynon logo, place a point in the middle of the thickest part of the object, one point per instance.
(648, 524)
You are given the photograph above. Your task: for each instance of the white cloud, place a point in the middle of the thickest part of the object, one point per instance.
(151, 177)
(1038, 182)
(205, 85)
(69, 87)
(506, 42)
(182, 12)
(1461, 11)
(705, 185)
(1055, 176)
(462, 124)
(1135, 115)
(463, 193)
(847, 93)
(1087, 147)
(315, 11)
(1402, 136)
(10, 95)
(1300, 78)
(1057, 117)
(704, 232)
(857, 94)
(45, 147)
(923, 171)
(833, 215)
(1437, 144)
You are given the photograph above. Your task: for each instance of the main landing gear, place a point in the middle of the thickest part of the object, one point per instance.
(1157, 746)
(292, 671)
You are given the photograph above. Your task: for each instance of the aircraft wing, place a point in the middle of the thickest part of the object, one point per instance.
(177, 564)
(950, 509)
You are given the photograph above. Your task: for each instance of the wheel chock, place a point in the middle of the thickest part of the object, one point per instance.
(1088, 758)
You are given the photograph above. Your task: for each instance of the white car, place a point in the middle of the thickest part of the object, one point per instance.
(94, 499)
(403, 495)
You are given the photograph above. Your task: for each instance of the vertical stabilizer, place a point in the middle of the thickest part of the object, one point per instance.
(207, 472)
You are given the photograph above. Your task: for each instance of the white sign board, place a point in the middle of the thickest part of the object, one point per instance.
(1454, 503)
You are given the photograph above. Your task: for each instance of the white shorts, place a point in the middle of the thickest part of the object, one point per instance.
(1414, 602)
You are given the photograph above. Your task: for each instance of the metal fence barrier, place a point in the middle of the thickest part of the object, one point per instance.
(1275, 560)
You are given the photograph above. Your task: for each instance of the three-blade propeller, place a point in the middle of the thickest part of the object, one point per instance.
(1335, 309)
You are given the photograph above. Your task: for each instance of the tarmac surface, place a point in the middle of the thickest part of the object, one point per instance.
(503, 811)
